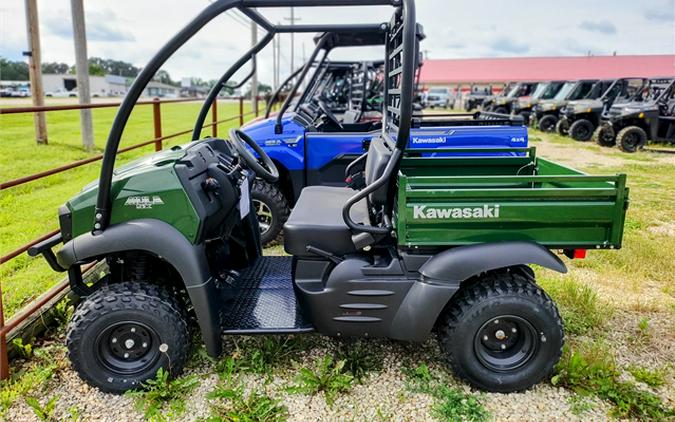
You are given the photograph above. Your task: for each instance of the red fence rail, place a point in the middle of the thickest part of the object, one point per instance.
(33, 307)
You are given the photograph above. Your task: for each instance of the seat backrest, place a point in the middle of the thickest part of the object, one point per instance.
(377, 159)
(350, 116)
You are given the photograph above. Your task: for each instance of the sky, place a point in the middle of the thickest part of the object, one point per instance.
(133, 30)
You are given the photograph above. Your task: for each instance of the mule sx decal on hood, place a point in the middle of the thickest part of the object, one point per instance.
(424, 212)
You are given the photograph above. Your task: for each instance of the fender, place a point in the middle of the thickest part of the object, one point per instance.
(442, 275)
(453, 266)
(167, 243)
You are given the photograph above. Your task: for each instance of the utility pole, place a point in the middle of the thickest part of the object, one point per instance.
(274, 63)
(254, 78)
(35, 70)
(82, 70)
(292, 20)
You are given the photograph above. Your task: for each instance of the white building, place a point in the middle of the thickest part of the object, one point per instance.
(100, 86)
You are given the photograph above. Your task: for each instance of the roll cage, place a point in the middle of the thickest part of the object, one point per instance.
(401, 51)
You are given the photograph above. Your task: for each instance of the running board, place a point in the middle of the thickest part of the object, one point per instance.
(264, 301)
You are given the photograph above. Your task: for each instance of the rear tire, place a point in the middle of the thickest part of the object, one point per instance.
(547, 123)
(502, 333)
(582, 130)
(562, 127)
(631, 138)
(272, 210)
(604, 136)
(122, 334)
(501, 110)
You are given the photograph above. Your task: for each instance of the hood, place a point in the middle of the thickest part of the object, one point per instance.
(262, 131)
(580, 106)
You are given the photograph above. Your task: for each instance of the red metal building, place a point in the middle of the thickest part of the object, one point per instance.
(497, 71)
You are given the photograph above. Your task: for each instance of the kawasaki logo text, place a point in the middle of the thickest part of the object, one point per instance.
(424, 212)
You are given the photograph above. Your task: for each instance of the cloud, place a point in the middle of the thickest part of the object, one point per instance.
(100, 27)
(603, 26)
(508, 45)
(664, 14)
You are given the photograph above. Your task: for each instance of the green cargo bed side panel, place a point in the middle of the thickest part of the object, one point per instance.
(452, 201)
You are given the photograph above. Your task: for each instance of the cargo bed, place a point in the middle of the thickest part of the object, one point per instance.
(451, 201)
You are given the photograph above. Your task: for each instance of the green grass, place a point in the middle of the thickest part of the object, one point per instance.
(450, 403)
(29, 211)
(581, 310)
(591, 370)
(329, 376)
(163, 397)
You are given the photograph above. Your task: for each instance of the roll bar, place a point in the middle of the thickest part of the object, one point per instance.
(278, 127)
(397, 117)
(104, 198)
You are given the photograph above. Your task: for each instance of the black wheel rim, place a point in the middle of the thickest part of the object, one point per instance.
(582, 132)
(631, 140)
(547, 125)
(265, 216)
(128, 347)
(505, 343)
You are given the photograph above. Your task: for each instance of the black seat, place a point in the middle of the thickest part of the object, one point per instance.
(316, 220)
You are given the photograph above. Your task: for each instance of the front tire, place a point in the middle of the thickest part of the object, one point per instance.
(604, 136)
(547, 123)
(582, 130)
(562, 127)
(502, 333)
(501, 110)
(122, 334)
(631, 138)
(272, 210)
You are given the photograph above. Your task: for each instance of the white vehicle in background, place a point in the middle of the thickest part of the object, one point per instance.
(439, 97)
(62, 93)
(20, 92)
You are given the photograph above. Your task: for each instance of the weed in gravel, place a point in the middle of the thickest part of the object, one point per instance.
(451, 403)
(62, 313)
(359, 359)
(232, 404)
(580, 404)
(44, 413)
(329, 376)
(456, 405)
(261, 355)
(592, 370)
(25, 351)
(163, 396)
(655, 378)
(581, 310)
(32, 376)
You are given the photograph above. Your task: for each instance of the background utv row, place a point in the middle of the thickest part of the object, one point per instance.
(627, 112)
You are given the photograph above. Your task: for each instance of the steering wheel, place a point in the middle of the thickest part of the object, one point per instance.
(326, 111)
(263, 166)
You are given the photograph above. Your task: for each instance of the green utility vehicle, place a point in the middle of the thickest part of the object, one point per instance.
(545, 115)
(579, 118)
(431, 243)
(649, 116)
(544, 91)
(504, 104)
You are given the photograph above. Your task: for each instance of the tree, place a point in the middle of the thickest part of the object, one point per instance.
(95, 69)
(115, 67)
(164, 77)
(263, 90)
(55, 68)
(13, 71)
